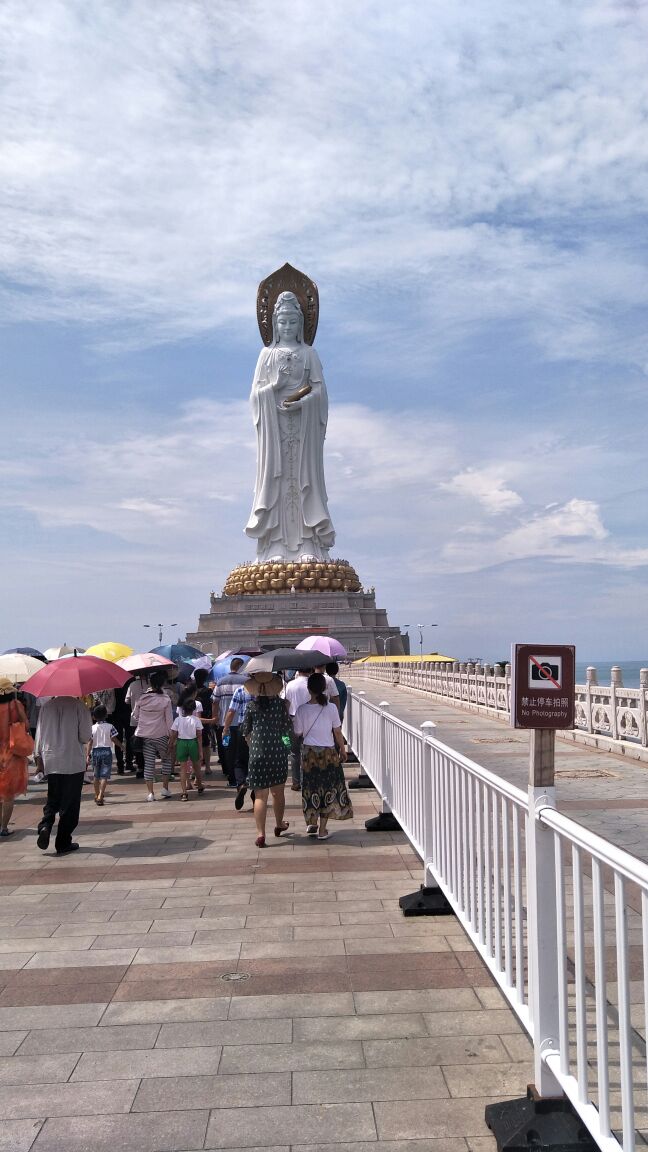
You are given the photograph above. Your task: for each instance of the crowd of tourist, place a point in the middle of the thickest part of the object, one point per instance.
(259, 728)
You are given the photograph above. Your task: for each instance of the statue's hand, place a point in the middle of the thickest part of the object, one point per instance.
(300, 394)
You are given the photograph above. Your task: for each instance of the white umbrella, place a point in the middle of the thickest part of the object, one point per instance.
(18, 668)
(61, 650)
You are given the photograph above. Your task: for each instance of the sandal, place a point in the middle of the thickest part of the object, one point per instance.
(260, 842)
(323, 835)
(282, 828)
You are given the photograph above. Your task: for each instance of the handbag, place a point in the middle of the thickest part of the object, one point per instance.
(21, 742)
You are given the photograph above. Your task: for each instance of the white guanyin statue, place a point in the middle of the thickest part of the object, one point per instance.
(290, 519)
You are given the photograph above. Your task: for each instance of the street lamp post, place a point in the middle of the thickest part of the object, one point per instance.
(420, 628)
(385, 642)
(159, 627)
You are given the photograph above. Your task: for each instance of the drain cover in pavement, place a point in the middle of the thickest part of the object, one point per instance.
(236, 976)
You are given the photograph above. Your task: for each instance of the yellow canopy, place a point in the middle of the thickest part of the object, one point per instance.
(431, 658)
(110, 650)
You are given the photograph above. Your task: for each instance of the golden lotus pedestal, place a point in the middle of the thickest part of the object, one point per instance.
(275, 605)
(284, 576)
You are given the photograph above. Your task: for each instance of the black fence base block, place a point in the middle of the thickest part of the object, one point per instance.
(385, 822)
(425, 902)
(361, 781)
(351, 757)
(533, 1123)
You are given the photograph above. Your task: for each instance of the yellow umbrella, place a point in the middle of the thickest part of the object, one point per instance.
(110, 650)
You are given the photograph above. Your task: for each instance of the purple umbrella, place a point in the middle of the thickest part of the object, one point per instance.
(327, 644)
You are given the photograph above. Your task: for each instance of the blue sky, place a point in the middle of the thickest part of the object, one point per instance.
(467, 185)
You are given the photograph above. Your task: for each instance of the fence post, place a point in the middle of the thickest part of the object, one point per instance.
(544, 1118)
(591, 680)
(643, 685)
(385, 821)
(616, 681)
(361, 780)
(429, 900)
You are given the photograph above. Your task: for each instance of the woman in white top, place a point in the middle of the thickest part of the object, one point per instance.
(324, 792)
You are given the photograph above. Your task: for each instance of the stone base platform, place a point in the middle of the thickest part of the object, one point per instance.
(281, 619)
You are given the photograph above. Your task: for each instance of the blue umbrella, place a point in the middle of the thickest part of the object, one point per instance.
(178, 652)
(223, 666)
(27, 652)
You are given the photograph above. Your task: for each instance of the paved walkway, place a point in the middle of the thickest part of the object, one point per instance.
(606, 792)
(172, 988)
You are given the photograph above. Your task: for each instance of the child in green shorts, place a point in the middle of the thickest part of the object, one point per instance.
(186, 731)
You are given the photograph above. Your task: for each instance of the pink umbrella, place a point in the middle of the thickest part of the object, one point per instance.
(327, 644)
(76, 676)
(142, 661)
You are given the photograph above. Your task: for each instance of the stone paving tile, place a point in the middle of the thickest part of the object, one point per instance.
(431, 1145)
(445, 1118)
(164, 1011)
(13, 961)
(419, 1000)
(200, 1091)
(291, 1057)
(18, 1135)
(10, 1042)
(500, 1080)
(166, 940)
(49, 944)
(290, 1005)
(90, 1039)
(355, 1085)
(86, 959)
(56, 1016)
(310, 1124)
(73, 929)
(378, 1027)
(376, 932)
(495, 1021)
(135, 1063)
(518, 1045)
(212, 1032)
(321, 919)
(149, 1132)
(57, 994)
(446, 1050)
(66, 1099)
(37, 1069)
(293, 950)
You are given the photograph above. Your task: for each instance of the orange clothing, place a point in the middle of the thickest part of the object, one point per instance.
(13, 769)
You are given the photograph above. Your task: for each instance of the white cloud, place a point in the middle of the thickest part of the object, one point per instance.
(158, 159)
(486, 486)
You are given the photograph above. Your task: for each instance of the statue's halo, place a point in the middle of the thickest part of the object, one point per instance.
(287, 279)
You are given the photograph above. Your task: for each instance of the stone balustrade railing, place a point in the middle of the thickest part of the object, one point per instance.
(605, 714)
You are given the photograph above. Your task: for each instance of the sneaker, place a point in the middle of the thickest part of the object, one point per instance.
(150, 797)
(240, 797)
(38, 778)
(166, 793)
(43, 839)
(311, 830)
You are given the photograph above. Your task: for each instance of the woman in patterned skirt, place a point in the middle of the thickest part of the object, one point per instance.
(266, 727)
(324, 791)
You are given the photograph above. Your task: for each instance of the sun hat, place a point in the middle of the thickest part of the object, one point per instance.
(6, 686)
(264, 684)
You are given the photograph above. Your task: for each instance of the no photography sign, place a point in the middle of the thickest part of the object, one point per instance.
(543, 687)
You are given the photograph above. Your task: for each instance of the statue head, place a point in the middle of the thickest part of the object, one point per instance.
(287, 319)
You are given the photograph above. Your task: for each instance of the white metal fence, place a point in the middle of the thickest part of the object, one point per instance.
(608, 710)
(559, 915)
